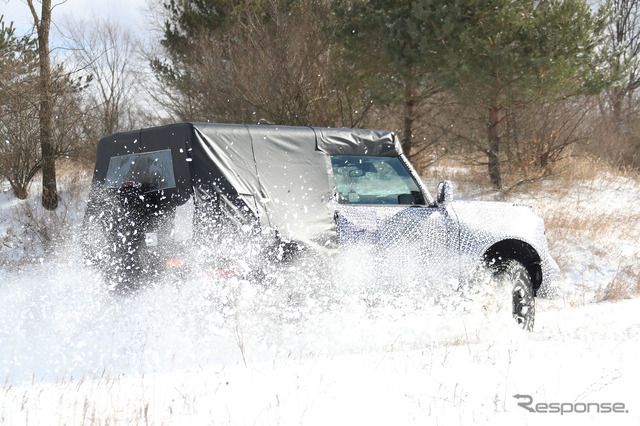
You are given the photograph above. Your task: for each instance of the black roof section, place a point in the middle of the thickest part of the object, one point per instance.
(282, 174)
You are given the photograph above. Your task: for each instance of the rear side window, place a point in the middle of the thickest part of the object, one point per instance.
(154, 170)
(374, 180)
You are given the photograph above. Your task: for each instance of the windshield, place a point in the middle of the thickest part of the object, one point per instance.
(374, 180)
(152, 169)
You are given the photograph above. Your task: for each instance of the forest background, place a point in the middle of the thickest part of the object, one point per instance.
(513, 88)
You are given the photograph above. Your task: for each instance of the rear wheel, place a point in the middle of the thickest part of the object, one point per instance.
(523, 304)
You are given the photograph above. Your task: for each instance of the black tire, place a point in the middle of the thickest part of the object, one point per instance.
(523, 303)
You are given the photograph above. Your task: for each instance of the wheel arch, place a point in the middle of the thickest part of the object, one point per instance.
(513, 249)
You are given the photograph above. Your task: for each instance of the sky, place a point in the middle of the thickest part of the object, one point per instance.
(130, 13)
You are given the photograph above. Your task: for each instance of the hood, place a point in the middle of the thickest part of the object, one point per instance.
(488, 221)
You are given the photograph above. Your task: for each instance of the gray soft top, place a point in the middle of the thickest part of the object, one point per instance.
(281, 174)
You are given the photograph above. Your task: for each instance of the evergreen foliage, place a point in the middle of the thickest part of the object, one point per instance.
(504, 56)
(380, 36)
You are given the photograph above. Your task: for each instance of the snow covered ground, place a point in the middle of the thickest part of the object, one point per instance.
(304, 351)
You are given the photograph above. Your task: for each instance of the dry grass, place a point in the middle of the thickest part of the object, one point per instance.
(565, 174)
(624, 285)
(470, 181)
(73, 168)
(581, 168)
(90, 402)
(571, 230)
(31, 232)
(617, 289)
(581, 217)
(589, 225)
(616, 147)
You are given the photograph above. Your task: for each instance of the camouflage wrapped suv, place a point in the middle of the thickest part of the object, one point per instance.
(158, 192)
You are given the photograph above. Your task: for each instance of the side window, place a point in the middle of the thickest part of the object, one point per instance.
(153, 170)
(374, 180)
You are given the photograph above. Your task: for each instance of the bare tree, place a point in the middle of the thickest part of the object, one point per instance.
(106, 53)
(624, 37)
(285, 70)
(20, 151)
(618, 140)
(20, 156)
(538, 137)
(42, 24)
(274, 64)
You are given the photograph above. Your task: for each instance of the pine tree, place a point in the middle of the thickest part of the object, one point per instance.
(379, 36)
(504, 56)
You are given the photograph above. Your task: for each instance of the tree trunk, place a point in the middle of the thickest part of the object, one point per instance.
(19, 191)
(407, 140)
(494, 149)
(616, 107)
(49, 186)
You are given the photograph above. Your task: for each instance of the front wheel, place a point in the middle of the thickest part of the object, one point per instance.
(523, 303)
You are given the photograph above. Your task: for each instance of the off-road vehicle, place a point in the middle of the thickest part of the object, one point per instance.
(158, 193)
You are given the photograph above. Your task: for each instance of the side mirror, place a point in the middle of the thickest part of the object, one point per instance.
(445, 192)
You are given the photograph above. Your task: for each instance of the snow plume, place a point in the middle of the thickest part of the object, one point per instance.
(321, 342)
(61, 320)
